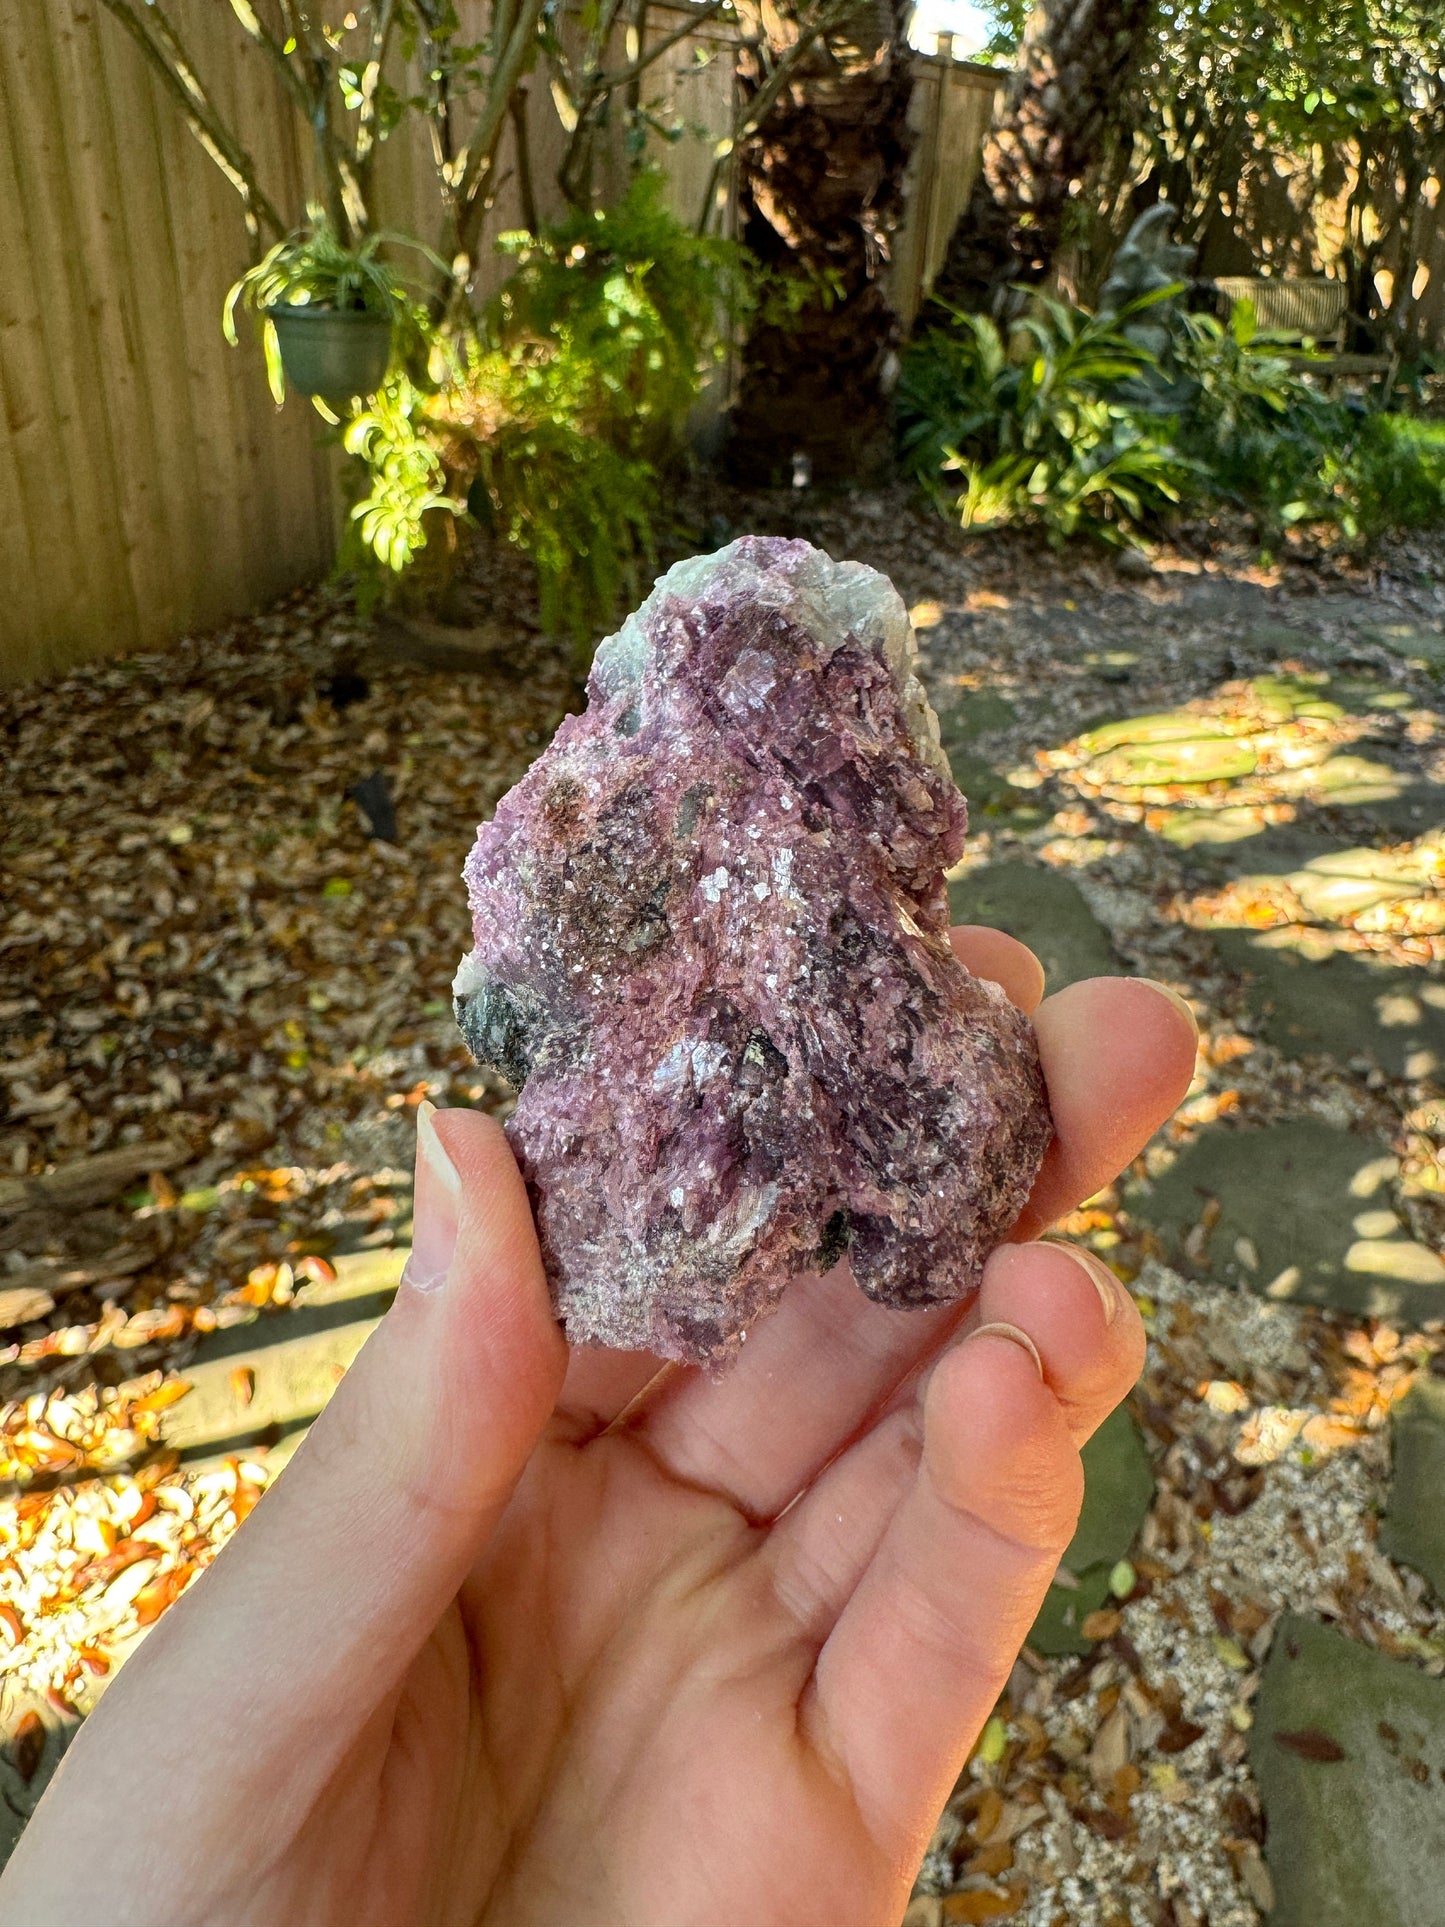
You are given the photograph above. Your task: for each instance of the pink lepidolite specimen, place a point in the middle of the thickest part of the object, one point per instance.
(712, 953)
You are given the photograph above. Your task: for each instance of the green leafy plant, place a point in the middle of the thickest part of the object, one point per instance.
(627, 308)
(1265, 437)
(1055, 425)
(312, 268)
(1032, 424)
(558, 420)
(781, 295)
(585, 514)
(407, 480)
(1392, 476)
(1256, 428)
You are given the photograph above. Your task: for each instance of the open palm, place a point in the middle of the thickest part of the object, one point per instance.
(522, 1638)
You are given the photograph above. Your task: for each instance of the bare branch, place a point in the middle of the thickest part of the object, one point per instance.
(345, 204)
(258, 31)
(501, 28)
(169, 59)
(524, 161)
(438, 80)
(481, 149)
(607, 82)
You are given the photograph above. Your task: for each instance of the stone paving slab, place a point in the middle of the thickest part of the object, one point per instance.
(1409, 640)
(1042, 909)
(1273, 849)
(1118, 1492)
(1342, 1006)
(975, 714)
(1305, 1214)
(1413, 808)
(1348, 1748)
(1413, 1530)
(270, 1378)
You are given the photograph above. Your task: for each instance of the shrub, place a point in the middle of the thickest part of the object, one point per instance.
(1262, 435)
(1072, 425)
(627, 308)
(1033, 423)
(1258, 433)
(556, 423)
(1394, 475)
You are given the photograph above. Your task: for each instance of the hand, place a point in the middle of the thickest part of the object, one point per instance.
(523, 1638)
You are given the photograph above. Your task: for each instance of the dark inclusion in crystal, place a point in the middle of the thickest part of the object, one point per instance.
(712, 953)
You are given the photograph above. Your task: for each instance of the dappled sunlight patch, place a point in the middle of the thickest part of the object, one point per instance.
(1390, 902)
(109, 1531)
(1230, 765)
(1187, 828)
(1296, 1211)
(1396, 1259)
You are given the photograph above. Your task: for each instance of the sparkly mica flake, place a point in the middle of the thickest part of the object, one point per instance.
(712, 955)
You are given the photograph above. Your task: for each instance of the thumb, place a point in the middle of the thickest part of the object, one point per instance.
(315, 1611)
(370, 1530)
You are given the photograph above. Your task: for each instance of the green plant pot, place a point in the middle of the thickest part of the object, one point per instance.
(332, 354)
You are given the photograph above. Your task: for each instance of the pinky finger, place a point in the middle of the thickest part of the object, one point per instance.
(921, 1651)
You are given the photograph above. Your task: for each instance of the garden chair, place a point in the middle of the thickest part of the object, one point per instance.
(1309, 310)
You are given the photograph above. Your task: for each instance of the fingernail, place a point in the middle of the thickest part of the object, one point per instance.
(436, 1207)
(1015, 1337)
(1178, 1002)
(1100, 1276)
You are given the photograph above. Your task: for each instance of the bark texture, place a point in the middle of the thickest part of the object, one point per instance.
(821, 186)
(1072, 91)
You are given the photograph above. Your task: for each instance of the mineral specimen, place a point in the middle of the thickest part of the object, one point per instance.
(712, 954)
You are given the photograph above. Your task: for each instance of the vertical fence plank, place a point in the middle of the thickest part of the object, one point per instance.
(153, 475)
(23, 411)
(910, 243)
(147, 484)
(253, 455)
(63, 454)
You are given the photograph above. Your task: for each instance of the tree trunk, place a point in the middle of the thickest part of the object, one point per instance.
(821, 193)
(1071, 91)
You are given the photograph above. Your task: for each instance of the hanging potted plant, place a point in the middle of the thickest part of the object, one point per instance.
(332, 317)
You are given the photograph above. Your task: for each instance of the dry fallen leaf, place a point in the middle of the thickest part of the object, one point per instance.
(986, 1819)
(1311, 1744)
(163, 1395)
(27, 1744)
(969, 1909)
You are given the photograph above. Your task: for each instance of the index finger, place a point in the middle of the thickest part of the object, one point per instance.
(1002, 960)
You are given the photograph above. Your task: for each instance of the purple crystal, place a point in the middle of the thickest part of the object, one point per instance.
(712, 953)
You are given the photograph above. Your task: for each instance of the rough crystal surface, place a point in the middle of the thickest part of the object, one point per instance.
(711, 951)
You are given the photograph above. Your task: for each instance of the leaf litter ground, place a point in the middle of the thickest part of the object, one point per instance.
(222, 1000)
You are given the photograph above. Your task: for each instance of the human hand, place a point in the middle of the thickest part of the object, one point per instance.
(527, 1638)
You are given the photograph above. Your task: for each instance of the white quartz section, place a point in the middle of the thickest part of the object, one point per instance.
(830, 599)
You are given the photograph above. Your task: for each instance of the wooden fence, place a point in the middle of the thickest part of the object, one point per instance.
(952, 105)
(148, 485)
